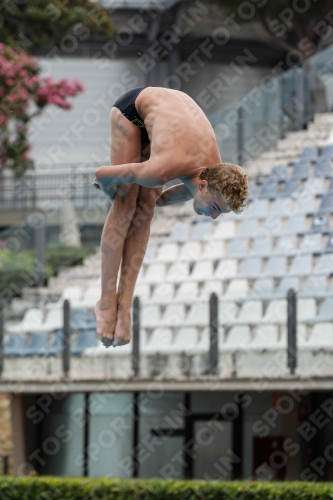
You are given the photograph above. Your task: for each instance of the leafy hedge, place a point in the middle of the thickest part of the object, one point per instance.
(18, 269)
(38, 488)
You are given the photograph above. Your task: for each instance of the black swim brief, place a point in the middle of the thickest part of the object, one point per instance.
(126, 104)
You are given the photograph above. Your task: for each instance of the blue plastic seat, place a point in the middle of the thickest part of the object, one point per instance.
(301, 266)
(262, 288)
(86, 339)
(315, 286)
(276, 267)
(286, 245)
(311, 243)
(15, 345)
(269, 190)
(292, 187)
(79, 319)
(286, 284)
(327, 151)
(325, 312)
(239, 248)
(272, 227)
(323, 168)
(201, 231)
(248, 228)
(295, 225)
(309, 153)
(258, 209)
(38, 345)
(252, 191)
(330, 188)
(320, 224)
(326, 205)
(57, 347)
(262, 246)
(329, 245)
(300, 172)
(278, 174)
(250, 268)
(324, 264)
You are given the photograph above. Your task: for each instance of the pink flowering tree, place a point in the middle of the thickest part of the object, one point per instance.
(24, 95)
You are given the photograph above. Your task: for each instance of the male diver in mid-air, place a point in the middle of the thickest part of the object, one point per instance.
(157, 135)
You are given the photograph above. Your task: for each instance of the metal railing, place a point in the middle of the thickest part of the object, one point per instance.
(283, 101)
(213, 353)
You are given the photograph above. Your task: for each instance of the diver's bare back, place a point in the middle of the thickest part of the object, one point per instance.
(179, 131)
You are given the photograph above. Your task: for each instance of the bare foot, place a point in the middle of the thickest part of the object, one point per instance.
(106, 317)
(122, 334)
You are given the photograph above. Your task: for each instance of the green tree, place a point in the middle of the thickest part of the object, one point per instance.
(300, 26)
(41, 23)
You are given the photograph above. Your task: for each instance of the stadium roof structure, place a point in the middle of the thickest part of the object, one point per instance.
(139, 4)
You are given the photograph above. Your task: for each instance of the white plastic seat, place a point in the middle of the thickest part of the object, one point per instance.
(250, 313)
(150, 315)
(237, 288)
(54, 320)
(178, 272)
(71, 293)
(306, 308)
(214, 249)
(173, 316)
(226, 268)
(305, 202)
(227, 312)
(187, 291)
(266, 337)
(190, 251)
(276, 312)
(167, 252)
(91, 295)
(225, 229)
(315, 286)
(155, 273)
(163, 292)
(238, 248)
(159, 342)
(238, 338)
(186, 341)
(198, 315)
(250, 268)
(180, 232)
(321, 336)
(276, 267)
(262, 288)
(211, 286)
(142, 290)
(301, 266)
(32, 318)
(202, 270)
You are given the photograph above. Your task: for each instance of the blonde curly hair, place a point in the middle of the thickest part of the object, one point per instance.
(229, 181)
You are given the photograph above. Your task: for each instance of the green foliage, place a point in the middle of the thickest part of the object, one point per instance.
(18, 269)
(42, 23)
(62, 256)
(34, 488)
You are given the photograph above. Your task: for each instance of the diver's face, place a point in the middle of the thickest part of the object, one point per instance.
(207, 204)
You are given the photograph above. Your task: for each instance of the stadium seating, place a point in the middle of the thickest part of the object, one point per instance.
(282, 241)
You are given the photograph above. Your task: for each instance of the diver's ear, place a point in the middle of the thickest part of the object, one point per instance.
(203, 184)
